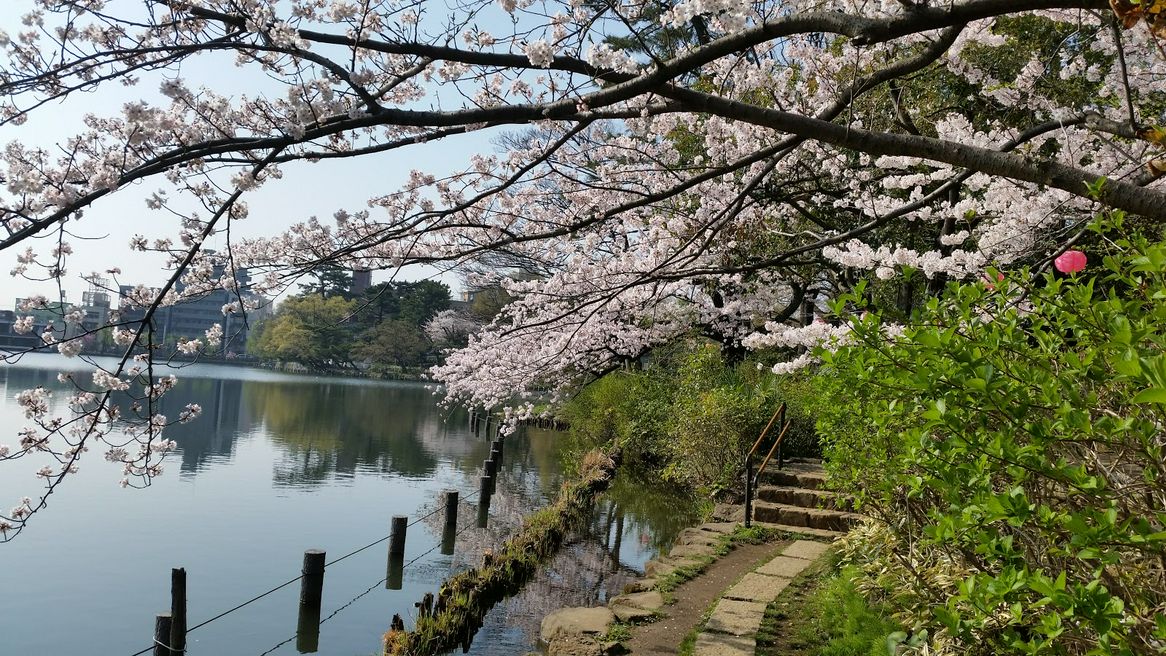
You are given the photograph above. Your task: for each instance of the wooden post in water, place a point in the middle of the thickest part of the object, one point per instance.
(397, 536)
(449, 531)
(484, 512)
(448, 539)
(178, 610)
(451, 500)
(312, 585)
(395, 573)
(490, 469)
(311, 596)
(308, 630)
(484, 500)
(162, 624)
(497, 448)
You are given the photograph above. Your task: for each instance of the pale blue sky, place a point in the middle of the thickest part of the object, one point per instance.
(305, 190)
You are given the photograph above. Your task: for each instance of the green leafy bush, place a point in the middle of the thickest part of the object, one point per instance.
(625, 407)
(805, 402)
(1016, 432)
(688, 416)
(848, 623)
(718, 412)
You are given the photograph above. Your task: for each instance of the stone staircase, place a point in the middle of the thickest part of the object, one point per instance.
(793, 499)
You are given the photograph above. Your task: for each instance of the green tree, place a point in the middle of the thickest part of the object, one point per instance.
(394, 342)
(422, 300)
(488, 303)
(311, 329)
(412, 302)
(331, 280)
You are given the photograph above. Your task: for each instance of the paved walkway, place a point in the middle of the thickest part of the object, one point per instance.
(732, 627)
(755, 574)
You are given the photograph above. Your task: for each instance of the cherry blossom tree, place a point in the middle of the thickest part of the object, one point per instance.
(718, 166)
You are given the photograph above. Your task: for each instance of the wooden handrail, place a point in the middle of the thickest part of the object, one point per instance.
(765, 432)
(772, 449)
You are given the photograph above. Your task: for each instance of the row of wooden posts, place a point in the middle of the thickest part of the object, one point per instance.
(170, 628)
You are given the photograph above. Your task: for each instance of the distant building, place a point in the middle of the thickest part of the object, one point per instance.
(53, 313)
(93, 314)
(190, 319)
(96, 304)
(10, 339)
(361, 281)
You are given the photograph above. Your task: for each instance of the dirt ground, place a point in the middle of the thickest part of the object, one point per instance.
(694, 597)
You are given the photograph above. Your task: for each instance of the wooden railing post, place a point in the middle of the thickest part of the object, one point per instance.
(748, 490)
(162, 626)
(178, 610)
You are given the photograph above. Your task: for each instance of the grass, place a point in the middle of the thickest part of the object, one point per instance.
(688, 645)
(822, 613)
(618, 632)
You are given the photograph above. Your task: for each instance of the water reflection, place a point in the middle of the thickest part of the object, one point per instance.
(269, 451)
(225, 418)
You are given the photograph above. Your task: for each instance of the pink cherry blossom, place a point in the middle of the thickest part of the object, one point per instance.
(727, 183)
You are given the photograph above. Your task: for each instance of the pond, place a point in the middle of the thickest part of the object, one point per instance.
(278, 464)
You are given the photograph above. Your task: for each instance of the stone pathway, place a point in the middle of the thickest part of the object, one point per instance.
(732, 627)
(754, 574)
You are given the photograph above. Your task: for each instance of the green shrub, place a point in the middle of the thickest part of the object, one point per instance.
(717, 413)
(1017, 433)
(625, 407)
(847, 623)
(688, 416)
(805, 402)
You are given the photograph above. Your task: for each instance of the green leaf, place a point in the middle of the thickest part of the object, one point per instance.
(1127, 363)
(1151, 395)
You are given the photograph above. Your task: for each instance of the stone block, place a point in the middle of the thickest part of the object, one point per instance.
(783, 566)
(640, 585)
(576, 621)
(739, 618)
(691, 551)
(719, 644)
(757, 587)
(655, 569)
(805, 549)
(647, 600)
(696, 536)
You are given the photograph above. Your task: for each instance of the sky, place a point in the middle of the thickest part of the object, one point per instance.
(102, 235)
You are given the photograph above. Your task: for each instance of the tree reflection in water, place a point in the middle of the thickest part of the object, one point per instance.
(328, 431)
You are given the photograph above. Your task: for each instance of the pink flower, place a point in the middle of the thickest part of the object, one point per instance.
(1070, 262)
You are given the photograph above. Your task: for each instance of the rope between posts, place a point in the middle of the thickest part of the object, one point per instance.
(374, 586)
(436, 510)
(376, 542)
(298, 578)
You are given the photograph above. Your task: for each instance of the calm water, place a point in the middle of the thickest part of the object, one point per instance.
(278, 464)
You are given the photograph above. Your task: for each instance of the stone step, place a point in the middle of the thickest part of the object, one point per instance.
(830, 520)
(801, 530)
(810, 478)
(805, 497)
